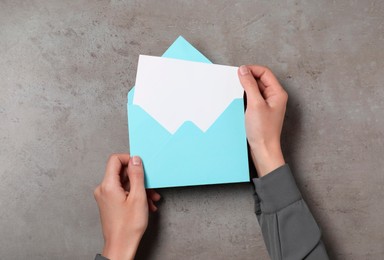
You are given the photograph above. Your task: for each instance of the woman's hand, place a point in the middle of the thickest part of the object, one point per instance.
(264, 116)
(124, 204)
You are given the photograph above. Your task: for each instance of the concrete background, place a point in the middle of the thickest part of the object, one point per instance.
(66, 68)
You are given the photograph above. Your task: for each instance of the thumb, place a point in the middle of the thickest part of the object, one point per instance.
(250, 85)
(136, 176)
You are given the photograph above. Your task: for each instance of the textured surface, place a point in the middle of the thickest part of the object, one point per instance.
(65, 70)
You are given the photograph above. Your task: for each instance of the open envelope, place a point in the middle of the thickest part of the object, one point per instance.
(189, 155)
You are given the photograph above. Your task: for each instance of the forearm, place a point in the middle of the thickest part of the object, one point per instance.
(287, 225)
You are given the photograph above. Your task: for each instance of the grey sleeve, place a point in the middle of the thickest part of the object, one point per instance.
(287, 225)
(100, 257)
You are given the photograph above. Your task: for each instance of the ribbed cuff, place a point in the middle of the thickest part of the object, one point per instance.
(276, 190)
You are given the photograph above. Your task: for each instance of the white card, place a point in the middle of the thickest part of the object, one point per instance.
(175, 91)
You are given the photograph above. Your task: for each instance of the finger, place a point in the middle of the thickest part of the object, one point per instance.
(124, 179)
(249, 84)
(153, 195)
(125, 184)
(152, 207)
(266, 76)
(261, 86)
(115, 164)
(136, 176)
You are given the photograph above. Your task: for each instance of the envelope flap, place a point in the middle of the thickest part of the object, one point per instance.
(181, 49)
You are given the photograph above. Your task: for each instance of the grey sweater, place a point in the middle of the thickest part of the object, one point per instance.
(288, 227)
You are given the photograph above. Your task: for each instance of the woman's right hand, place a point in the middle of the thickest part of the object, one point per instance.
(264, 116)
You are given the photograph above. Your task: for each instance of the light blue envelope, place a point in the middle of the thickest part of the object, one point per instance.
(189, 156)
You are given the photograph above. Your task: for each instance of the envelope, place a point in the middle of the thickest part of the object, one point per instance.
(189, 154)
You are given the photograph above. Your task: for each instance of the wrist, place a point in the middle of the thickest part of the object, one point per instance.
(120, 249)
(267, 157)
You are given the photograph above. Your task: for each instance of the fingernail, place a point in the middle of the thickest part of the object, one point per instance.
(136, 160)
(244, 70)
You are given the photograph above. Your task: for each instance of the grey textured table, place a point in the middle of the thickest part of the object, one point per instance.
(65, 70)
